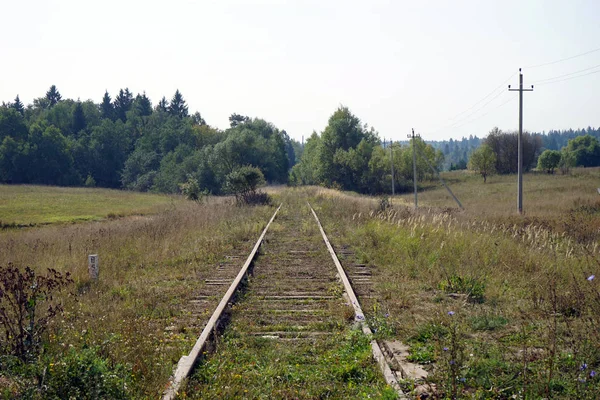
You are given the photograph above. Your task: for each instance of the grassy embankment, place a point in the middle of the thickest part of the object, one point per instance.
(121, 336)
(494, 304)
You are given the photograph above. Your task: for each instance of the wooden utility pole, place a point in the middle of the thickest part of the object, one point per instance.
(414, 164)
(520, 142)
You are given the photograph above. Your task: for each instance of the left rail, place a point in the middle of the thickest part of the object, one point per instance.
(186, 363)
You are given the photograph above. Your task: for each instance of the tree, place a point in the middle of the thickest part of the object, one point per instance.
(567, 161)
(18, 105)
(549, 160)
(586, 150)
(237, 119)
(177, 107)
(123, 103)
(162, 105)
(142, 105)
(197, 118)
(79, 122)
(483, 161)
(505, 146)
(53, 96)
(107, 110)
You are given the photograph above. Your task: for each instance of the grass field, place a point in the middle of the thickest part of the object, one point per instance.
(495, 305)
(25, 205)
(544, 196)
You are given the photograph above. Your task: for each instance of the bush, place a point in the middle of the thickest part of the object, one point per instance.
(244, 182)
(22, 317)
(191, 189)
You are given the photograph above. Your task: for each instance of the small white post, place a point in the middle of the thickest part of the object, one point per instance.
(93, 266)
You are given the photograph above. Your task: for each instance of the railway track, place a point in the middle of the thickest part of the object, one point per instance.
(284, 311)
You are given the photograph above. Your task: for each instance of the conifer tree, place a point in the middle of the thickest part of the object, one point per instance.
(162, 105)
(106, 108)
(18, 105)
(79, 122)
(143, 105)
(122, 104)
(53, 95)
(178, 107)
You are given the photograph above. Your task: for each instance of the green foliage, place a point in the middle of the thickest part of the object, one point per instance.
(472, 287)
(177, 107)
(191, 189)
(585, 150)
(244, 182)
(483, 160)
(53, 96)
(87, 374)
(90, 181)
(549, 160)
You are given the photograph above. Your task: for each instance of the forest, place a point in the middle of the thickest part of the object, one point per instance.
(129, 143)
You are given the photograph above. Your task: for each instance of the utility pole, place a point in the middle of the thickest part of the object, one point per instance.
(392, 159)
(414, 164)
(520, 142)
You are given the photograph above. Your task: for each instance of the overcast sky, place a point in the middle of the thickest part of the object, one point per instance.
(396, 64)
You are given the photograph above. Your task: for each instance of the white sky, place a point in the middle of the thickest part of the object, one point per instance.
(395, 64)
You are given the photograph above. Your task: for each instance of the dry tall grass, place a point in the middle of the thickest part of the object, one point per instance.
(150, 267)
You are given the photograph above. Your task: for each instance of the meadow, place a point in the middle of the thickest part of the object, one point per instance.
(493, 304)
(28, 205)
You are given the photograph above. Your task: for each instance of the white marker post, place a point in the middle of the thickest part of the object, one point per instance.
(93, 266)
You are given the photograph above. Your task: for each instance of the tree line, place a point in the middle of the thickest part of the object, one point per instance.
(126, 142)
(498, 153)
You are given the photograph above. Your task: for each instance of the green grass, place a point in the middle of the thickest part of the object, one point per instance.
(27, 205)
(525, 312)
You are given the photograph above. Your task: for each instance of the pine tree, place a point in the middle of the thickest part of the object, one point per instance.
(53, 95)
(162, 105)
(79, 122)
(143, 105)
(18, 105)
(123, 103)
(178, 107)
(106, 108)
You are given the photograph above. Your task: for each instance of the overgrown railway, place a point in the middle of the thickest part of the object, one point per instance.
(289, 324)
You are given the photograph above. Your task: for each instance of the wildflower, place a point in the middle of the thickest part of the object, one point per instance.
(360, 317)
(581, 380)
(592, 374)
(591, 277)
(583, 366)
(463, 380)
(445, 349)
(452, 362)
(387, 315)
(450, 313)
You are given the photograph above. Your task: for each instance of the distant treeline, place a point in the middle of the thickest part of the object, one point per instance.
(129, 143)
(457, 152)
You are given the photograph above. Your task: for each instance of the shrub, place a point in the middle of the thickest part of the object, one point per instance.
(191, 189)
(26, 308)
(244, 182)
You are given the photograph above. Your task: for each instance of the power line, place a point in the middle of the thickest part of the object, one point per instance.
(563, 75)
(564, 59)
(483, 115)
(567, 79)
(476, 111)
(488, 95)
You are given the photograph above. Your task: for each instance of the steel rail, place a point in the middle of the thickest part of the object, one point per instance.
(359, 316)
(186, 363)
